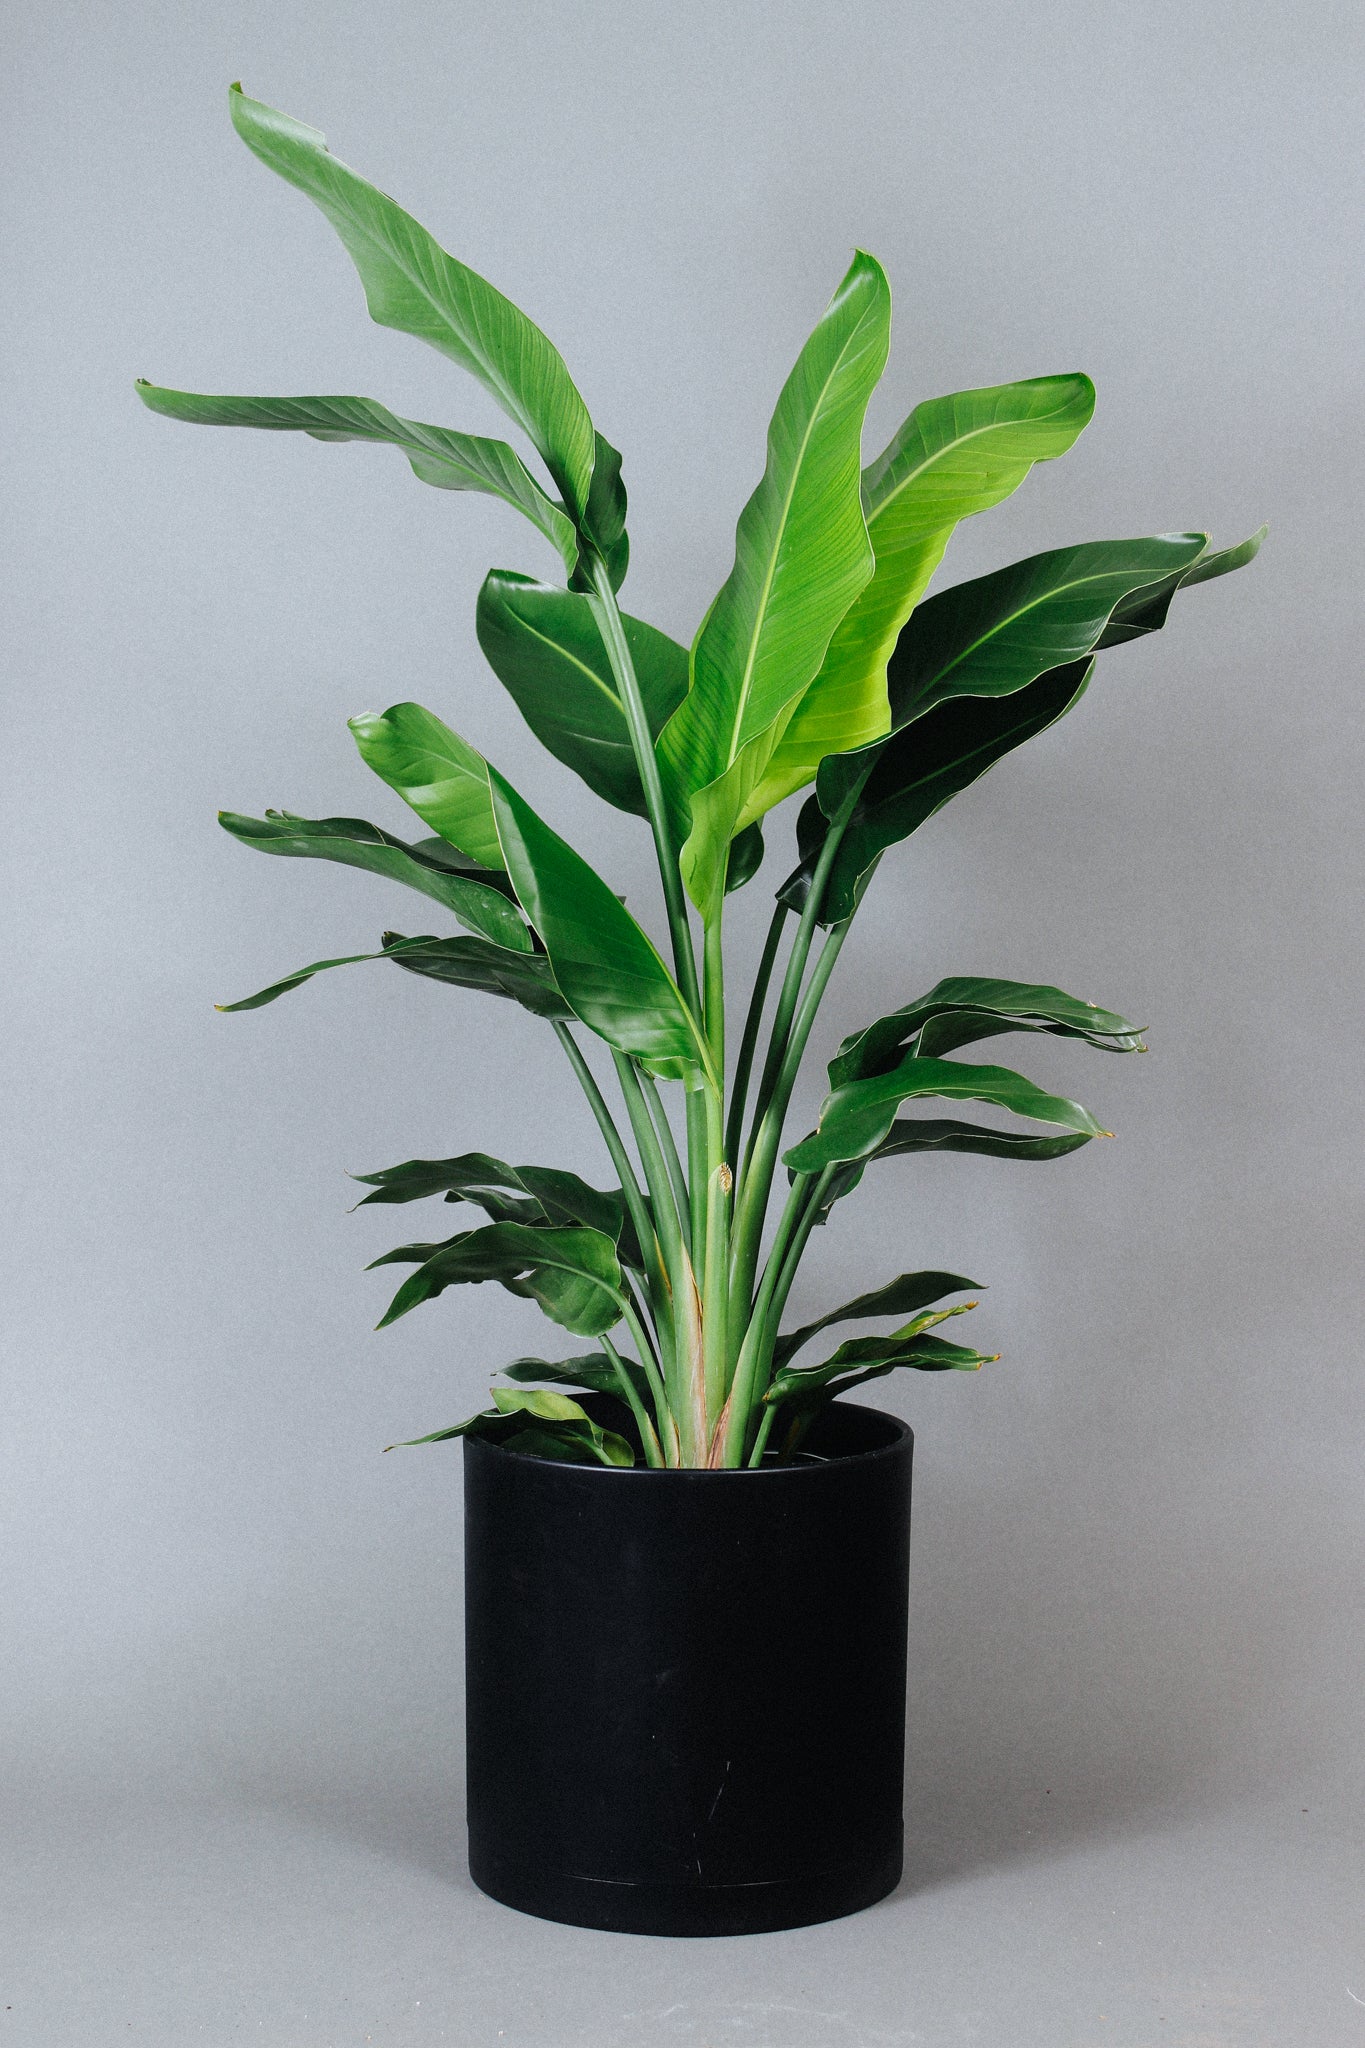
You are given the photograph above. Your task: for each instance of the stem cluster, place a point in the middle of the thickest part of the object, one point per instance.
(705, 1333)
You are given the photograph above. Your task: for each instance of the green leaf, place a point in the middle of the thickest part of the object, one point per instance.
(953, 457)
(962, 1010)
(854, 1119)
(868, 1358)
(440, 775)
(801, 557)
(746, 858)
(545, 647)
(439, 456)
(575, 1438)
(1146, 610)
(478, 904)
(928, 1134)
(524, 978)
(412, 284)
(567, 1420)
(903, 1296)
(573, 1274)
(604, 963)
(593, 1372)
(917, 771)
(508, 1194)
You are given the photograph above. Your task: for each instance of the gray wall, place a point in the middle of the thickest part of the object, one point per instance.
(1139, 1537)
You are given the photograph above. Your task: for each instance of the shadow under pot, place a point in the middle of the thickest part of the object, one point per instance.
(685, 1691)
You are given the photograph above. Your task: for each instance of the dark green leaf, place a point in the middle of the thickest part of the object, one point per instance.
(508, 1194)
(801, 557)
(964, 1009)
(903, 1296)
(868, 1358)
(525, 978)
(478, 903)
(438, 455)
(573, 1274)
(854, 1119)
(544, 645)
(604, 963)
(917, 771)
(593, 1372)
(926, 1134)
(412, 284)
(1146, 610)
(746, 858)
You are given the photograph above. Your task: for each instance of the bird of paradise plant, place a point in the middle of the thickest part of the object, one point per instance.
(821, 665)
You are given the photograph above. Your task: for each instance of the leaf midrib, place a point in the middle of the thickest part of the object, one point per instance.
(960, 441)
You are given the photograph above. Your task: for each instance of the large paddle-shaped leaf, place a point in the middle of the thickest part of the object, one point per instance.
(917, 771)
(855, 1118)
(438, 455)
(903, 1296)
(545, 647)
(464, 963)
(441, 776)
(604, 963)
(411, 283)
(574, 1274)
(355, 843)
(953, 457)
(964, 1009)
(801, 557)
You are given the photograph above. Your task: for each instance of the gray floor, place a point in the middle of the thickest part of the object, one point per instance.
(1047, 1924)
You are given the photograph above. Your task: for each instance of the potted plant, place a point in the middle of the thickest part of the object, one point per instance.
(686, 1556)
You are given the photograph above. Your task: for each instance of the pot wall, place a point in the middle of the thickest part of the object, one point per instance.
(686, 1690)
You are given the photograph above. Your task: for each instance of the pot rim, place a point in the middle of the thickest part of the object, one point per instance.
(894, 1445)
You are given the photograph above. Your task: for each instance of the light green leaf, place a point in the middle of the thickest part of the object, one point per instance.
(355, 843)
(545, 647)
(574, 1274)
(605, 965)
(854, 1119)
(440, 775)
(571, 1422)
(411, 283)
(953, 457)
(964, 1009)
(801, 557)
(440, 456)
(574, 1438)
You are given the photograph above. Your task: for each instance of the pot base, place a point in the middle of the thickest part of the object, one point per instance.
(692, 1909)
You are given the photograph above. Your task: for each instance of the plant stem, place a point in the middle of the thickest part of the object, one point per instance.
(713, 967)
(756, 1185)
(668, 1428)
(716, 1266)
(744, 1384)
(761, 1440)
(668, 1144)
(656, 1170)
(734, 1128)
(621, 1160)
(649, 1441)
(642, 741)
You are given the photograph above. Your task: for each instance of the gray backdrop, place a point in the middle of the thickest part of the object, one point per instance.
(231, 1669)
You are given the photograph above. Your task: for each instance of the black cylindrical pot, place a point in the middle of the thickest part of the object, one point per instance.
(685, 1691)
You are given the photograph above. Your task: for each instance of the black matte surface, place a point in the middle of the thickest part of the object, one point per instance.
(686, 1690)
